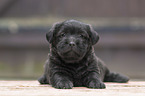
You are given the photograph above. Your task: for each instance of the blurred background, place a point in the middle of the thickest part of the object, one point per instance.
(24, 23)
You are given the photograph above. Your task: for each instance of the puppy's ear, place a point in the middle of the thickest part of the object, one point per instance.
(50, 34)
(93, 34)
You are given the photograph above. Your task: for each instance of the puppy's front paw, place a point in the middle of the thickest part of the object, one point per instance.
(96, 84)
(64, 84)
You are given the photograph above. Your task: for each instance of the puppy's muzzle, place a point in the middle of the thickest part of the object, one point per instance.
(72, 44)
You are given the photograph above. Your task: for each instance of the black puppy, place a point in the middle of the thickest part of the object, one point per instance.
(72, 61)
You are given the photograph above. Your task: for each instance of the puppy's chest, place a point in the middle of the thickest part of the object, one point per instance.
(78, 71)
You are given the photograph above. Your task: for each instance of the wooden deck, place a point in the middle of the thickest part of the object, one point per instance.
(29, 88)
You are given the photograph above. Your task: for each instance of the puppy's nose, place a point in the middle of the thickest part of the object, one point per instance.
(72, 44)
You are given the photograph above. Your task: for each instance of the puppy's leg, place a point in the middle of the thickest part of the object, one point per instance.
(43, 80)
(92, 80)
(61, 81)
(115, 77)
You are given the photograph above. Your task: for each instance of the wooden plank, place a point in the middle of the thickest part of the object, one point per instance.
(29, 88)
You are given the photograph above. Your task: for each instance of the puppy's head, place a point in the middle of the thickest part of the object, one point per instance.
(72, 39)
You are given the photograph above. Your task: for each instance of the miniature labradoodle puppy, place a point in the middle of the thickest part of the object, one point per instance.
(72, 61)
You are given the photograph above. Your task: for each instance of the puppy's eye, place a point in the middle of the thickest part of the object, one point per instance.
(62, 35)
(82, 36)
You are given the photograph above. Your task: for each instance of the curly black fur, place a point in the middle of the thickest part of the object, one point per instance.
(72, 61)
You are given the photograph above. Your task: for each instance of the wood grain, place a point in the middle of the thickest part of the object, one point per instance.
(29, 88)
